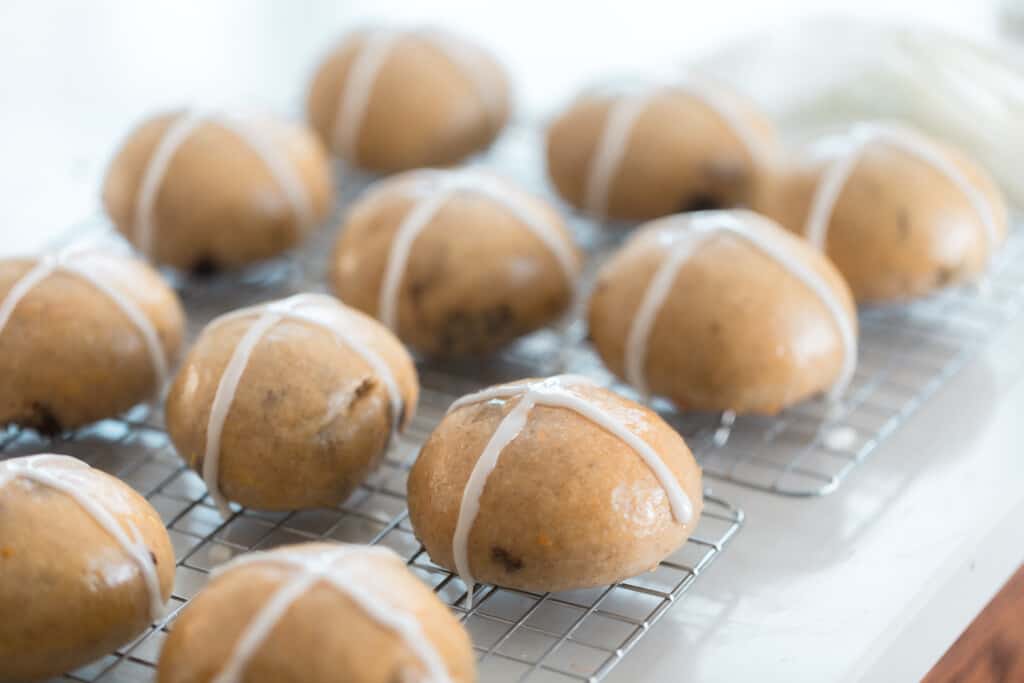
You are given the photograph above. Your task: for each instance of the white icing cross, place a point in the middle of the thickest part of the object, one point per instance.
(367, 64)
(347, 570)
(433, 189)
(554, 392)
(683, 234)
(863, 135)
(245, 126)
(75, 260)
(622, 117)
(66, 479)
(316, 309)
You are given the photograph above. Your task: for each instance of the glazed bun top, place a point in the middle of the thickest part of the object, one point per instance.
(899, 213)
(844, 154)
(661, 149)
(367, 590)
(104, 499)
(225, 185)
(428, 250)
(388, 99)
(431, 190)
(683, 235)
(581, 396)
(724, 310)
(134, 288)
(380, 350)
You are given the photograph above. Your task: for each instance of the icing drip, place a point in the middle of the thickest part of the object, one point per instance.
(342, 570)
(433, 189)
(75, 261)
(724, 430)
(367, 64)
(838, 174)
(316, 309)
(621, 119)
(66, 480)
(683, 235)
(553, 392)
(275, 159)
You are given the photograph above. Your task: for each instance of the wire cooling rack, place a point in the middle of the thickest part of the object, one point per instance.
(579, 635)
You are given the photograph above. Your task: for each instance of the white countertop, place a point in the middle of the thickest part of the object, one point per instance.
(873, 582)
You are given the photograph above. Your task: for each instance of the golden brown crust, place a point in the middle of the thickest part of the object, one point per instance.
(476, 278)
(310, 417)
(899, 228)
(76, 593)
(738, 331)
(70, 356)
(300, 648)
(568, 506)
(424, 109)
(218, 205)
(681, 156)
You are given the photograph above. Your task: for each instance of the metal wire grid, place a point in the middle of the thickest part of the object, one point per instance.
(579, 635)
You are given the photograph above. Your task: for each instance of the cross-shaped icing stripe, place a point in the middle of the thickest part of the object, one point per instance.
(373, 54)
(433, 189)
(316, 309)
(68, 478)
(348, 570)
(270, 152)
(682, 235)
(622, 118)
(81, 261)
(906, 140)
(556, 392)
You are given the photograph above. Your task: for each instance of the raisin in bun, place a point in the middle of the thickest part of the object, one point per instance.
(85, 333)
(552, 484)
(85, 565)
(317, 613)
(455, 262)
(901, 215)
(389, 100)
(637, 156)
(724, 310)
(205, 191)
(290, 404)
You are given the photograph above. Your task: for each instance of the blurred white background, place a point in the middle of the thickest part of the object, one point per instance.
(74, 77)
